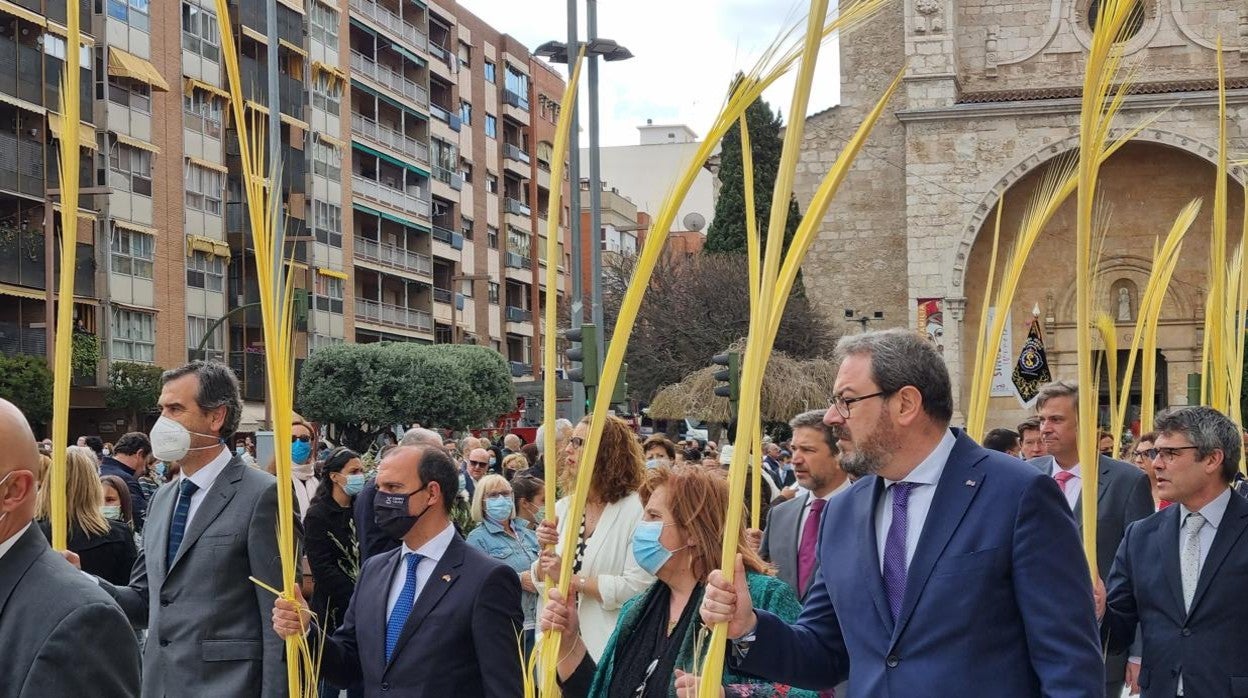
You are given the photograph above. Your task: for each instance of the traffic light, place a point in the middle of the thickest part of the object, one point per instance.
(620, 394)
(584, 350)
(730, 374)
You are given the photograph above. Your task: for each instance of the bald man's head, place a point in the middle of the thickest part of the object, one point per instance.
(19, 462)
(418, 436)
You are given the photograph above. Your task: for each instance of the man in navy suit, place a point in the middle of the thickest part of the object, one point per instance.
(965, 576)
(1181, 572)
(432, 618)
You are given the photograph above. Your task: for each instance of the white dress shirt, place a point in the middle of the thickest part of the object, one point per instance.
(1213, 513)
(926, 476)
(431, 552)
(203, 478)
(806, 508)
(7, 545)
(1074, 486)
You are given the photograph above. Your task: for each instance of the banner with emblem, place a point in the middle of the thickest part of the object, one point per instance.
(1032, 370)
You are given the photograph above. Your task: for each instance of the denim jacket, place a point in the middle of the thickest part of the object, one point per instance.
(519, 553)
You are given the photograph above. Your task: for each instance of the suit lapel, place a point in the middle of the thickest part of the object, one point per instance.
(219, 495)
(444, 575)
(21, 556)
(1234, 522)
(381, 596)
(958, 485)
(156, 534)
(1168, 553)
(866, 499)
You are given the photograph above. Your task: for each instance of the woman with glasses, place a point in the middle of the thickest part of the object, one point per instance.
(660, 633)
(604, 572)
(1143, 459)
(506, 538)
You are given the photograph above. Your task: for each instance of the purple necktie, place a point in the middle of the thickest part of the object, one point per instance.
(806, 550)
(895, 549)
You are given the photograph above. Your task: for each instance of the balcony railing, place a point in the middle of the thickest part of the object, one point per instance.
(387, 314)
(441, 295)
(516, 261)
(443, 234)
(391, 138)
(391, 21)
(520, 368)
(389, 78)
(514, 152)
(393, 256)
(517, 207)
(515, 314)
(375, 191)
(515, 99)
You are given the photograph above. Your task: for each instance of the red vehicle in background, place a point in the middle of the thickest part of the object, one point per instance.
(508, 423)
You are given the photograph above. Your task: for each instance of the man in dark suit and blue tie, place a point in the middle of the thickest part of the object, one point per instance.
(1181, 572)
(432, 618)
(946, 570)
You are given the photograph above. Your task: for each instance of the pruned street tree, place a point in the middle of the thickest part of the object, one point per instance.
(26, 382)
(133, 388)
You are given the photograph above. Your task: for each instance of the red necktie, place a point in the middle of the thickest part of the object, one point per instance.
(1063, 477)
(806, 551)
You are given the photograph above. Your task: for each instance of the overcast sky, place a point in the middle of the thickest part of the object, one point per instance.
(686, 53)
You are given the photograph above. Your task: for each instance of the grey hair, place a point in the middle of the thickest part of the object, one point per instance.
(1209, 430)
(562, 427)
(901, 358)
(218, 387)
(1057, 389)
(813, 419)
(419, 436)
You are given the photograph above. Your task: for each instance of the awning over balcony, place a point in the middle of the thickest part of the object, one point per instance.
(86, 132)
(23, 13)
(136, 143)
(199, 243)
(20, 292)
(331, 273)
(391, 159)
(193, 84)
(122, 64)
(209, 165)
(22, 104)
(332, 70)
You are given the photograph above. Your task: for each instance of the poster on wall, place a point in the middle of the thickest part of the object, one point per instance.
(931, 321)
(1003, 366)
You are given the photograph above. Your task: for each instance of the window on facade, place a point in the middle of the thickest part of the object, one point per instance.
(130, 93)
(465, 55)
(491, 126)
(327, 222)
(199, 32)
(491, 237)
(55, 47)
(319, 341)
(213, 345)
(133, 336)
(517, 83)
(545, 152)
(493, 293)
(465, 113)
(204, 112)
(132, 253)
(136, 13)
(130, 169)
(518, 242)
(206, 271)
(465, 227)
(491, 183)
(326, 92)
(329, 293)
(323, 24)
(204, 188)
(490, 71)
(326, 160)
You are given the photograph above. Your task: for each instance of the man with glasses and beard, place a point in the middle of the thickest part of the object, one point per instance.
(946, 569)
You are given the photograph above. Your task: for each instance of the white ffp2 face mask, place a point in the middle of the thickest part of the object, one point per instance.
(171, 441)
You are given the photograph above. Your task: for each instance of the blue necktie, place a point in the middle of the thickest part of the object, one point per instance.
(178, 528)
(402, 607)
(895, 548)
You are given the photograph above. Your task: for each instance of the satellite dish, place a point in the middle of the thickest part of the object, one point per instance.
(694, 221)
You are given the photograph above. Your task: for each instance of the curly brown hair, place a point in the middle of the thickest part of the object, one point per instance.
(619, 467)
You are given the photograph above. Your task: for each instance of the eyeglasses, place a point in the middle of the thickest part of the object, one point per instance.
(842, 403)
(483, 464)
(303, 439)
(577, 441)
(1167, 453)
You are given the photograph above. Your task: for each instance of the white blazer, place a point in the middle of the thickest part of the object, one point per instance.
(609, 557)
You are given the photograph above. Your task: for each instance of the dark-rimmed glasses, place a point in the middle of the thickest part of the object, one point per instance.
(842, 403)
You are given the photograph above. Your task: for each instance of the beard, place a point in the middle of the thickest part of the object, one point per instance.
(868, 456)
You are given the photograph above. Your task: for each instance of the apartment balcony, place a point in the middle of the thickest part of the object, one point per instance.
(515, 261)
(393, 315)
(395, 198)
(384, 135)
(520, 368)
(387, 20)
(454, 180)
(516, 207)
(515, 152)
(390, 79)
(515, 314)
(441, 295)
(393, 256)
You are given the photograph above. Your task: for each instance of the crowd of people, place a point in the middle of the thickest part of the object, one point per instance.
(896, 556)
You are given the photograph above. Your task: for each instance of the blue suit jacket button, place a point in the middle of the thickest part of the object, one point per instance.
(892, 661)
(1186, 632)
(385, 686)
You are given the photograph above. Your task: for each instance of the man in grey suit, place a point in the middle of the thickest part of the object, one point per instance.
(207, 532)
(59, 634)
(1123, 496)
(793, 525)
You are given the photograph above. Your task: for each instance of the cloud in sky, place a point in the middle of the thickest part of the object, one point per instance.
(686, 52)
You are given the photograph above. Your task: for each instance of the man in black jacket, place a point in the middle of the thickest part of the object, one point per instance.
(129, 462)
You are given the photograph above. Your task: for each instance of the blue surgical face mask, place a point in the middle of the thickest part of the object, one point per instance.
(160, 467)
(112, 512)
(647, 549)
(300, 450)
(493, 460)
(539, 515)
(498, 509)
(355, 484)
(240, 450)
(652, 464)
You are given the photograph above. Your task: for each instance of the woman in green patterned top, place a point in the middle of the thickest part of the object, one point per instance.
(659, 632)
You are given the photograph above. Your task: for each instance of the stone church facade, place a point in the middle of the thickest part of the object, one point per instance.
(991, 97)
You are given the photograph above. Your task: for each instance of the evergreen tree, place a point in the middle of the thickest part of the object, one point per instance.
(727, 231)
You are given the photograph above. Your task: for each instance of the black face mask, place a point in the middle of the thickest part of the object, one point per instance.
(390, 511)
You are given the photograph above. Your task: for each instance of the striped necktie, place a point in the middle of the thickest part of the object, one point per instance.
(402, 607)
(177, 529)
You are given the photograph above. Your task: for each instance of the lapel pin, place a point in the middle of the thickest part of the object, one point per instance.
(970, 483)
(446, 577)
